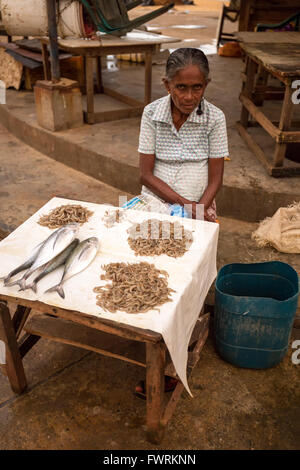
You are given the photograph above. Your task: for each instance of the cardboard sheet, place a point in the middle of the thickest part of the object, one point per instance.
(190, 275)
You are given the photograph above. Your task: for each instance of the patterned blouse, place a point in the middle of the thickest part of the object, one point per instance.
(182, 156)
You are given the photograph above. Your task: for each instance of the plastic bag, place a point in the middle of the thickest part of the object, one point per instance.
(145, 202)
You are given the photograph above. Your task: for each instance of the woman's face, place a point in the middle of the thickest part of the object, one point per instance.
(187, 88)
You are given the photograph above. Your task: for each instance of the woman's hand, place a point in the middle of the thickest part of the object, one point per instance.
(198, 211)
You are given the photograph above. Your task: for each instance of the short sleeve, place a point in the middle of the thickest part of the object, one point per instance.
(218, 143)
(147, 134)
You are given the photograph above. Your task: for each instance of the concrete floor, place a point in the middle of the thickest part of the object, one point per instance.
(80, 400)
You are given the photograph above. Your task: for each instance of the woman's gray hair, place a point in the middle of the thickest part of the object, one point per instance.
(184, 56)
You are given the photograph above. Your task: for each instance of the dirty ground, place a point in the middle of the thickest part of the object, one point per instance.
(80, 400)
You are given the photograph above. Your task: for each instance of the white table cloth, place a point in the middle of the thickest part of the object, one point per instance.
(190, 275)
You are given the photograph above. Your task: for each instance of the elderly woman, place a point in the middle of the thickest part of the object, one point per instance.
(182, 145)
(183, 138)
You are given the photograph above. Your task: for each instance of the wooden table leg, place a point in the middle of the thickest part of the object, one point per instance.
(284, 125)
(248, 88)
(46, 63)
(155, 382)
(19, 319)
(261, 85)
(89, 72)
(148, 77)
(99, 75)
(14, 365)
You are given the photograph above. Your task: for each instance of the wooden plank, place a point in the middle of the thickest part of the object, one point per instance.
(19, 319)
(220, 25)
(268, 37)
(6, 45)
(114, 115)
(108, 326)
(36, 56)
(281, 60)
(283, 136)
(248, 88)
(14, 365)
(288, 137)
(284, 125)
(245, 7)
(67, 332)
(148, 77)
(90, 89)
(26, 343)
(155, 383)
(132, 39)
(171, 405)
(122, 98)
(199, 345)
(256, 149)
(260, 86)
(201, 330)
(259, 116)
(71, 68)
(99, 75)
(46, 62)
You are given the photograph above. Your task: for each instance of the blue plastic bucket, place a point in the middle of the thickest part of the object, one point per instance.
(255, 305)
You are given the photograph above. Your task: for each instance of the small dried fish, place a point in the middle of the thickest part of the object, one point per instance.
(156, 237)
(135, 288)
(64, 215)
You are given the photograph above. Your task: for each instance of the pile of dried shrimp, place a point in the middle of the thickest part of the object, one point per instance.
(64, 215)
(135, 287)
(156, 237)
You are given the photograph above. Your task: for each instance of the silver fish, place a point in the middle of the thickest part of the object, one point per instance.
(79, 260)
(54, 245)
(55, 263)
(27, 264)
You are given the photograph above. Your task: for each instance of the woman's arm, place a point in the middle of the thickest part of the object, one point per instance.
(215, 179)
(156, 185)
(163, 190)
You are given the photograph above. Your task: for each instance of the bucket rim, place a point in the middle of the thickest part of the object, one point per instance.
(265, 263)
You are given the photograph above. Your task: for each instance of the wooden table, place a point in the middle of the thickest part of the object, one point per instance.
(275, 54)
(98, 335)
(92, 50)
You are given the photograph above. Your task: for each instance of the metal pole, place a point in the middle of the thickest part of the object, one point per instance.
(52, 27)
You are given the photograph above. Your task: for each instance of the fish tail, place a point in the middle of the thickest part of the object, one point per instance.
(32, 286)
(5, 279)
(58, 288)
(20, 282)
